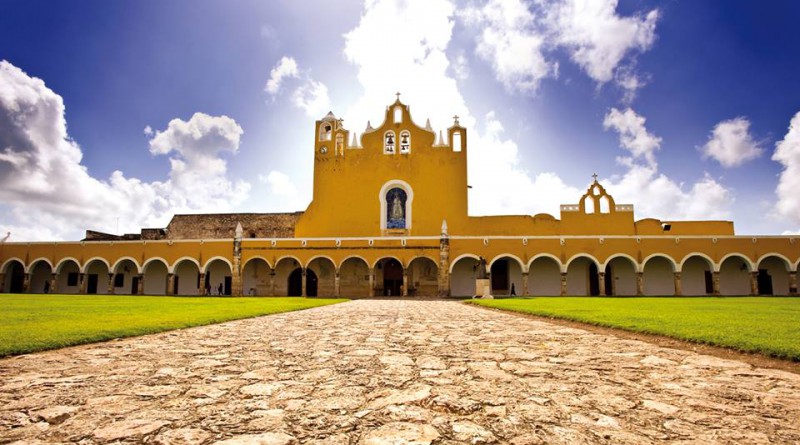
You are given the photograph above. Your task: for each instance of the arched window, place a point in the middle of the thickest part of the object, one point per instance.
(396, 208)
(398, 114)
(605, 205)
(339, 145)
(389, 143)
(325, 130)
(405, 142)
(456, 141)
(589, 205)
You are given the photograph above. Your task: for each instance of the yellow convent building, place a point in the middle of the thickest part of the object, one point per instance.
(389, 217)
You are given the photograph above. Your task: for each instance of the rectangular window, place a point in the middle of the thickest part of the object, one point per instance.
(119, 280)
(72, 279)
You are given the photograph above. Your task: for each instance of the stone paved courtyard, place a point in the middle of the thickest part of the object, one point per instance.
(391, 372)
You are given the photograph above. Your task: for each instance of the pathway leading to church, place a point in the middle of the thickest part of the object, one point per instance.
(391, 372)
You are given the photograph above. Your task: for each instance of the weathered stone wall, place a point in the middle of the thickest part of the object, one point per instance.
(223, 225)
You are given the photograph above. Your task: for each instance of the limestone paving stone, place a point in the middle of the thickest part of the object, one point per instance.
(391, 372)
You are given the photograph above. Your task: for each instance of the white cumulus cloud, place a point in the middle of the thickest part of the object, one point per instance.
(285, 68)
(309, 95)
(518, 39)
(48, 194)
(731, 144)
(511, 43)
(787, 152)
(633, 135)
(655, 194)
(598, 39)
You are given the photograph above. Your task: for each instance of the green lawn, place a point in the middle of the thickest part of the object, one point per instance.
(31, 322)
(768, 325)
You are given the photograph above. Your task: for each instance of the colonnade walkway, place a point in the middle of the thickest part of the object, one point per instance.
(391, 371)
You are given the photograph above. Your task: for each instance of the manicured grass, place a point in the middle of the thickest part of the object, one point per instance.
(32, 322)
(767, 325)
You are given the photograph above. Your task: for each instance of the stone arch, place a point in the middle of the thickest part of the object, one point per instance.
(423, 276)
(29, 268)
(522, 265)
(460, 257)
(40, 272)
(257, 276)
(711, 263)
(409, 205)
(218, 277)
(620, 275)
(582, 276)
(506, 276)
(14, 273)
(126, 279)
(658, 276)
(96, 273)
(181, 259)
(126, 258)
(463, 273)
(750, 266)
(322, 282)
(354, 277)
(697, 274)
(92, 259)
(217, 258)
(185, 277)
(544, 275)
(155, 273)
(786, 261)
(773, 274)
(633, 261)
(68, 275)
(734, 275)
(66, 260)
(153, 260)
(7, 262)
(578, 256)
(389, 273)
(257, 257)
(349, 257)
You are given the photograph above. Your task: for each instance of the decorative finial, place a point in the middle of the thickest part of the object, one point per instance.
(595, 177)
(369, 126)
(455, 118)
(398, 96)
(444, 227)
(239, 230)
(355, 140)
(428, 125)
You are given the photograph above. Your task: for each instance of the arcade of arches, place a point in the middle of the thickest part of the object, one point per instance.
(354, 276)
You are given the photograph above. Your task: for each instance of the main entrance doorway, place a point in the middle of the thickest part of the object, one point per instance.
(392, 277)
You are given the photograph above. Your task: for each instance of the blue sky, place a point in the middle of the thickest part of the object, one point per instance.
(116, 115)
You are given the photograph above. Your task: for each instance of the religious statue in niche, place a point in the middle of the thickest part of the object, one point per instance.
(396, 209)
(388, 144)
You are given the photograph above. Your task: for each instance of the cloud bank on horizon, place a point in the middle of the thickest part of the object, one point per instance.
(47, 193)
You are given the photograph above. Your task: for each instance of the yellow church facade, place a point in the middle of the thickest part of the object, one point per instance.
(389, 217)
